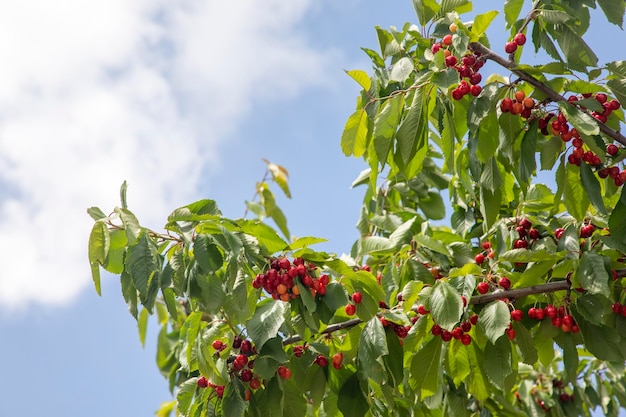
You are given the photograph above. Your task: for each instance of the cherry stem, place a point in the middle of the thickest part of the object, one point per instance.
(549, 92)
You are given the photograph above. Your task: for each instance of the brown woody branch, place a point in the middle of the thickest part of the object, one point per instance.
(480, 299)
(539, 85)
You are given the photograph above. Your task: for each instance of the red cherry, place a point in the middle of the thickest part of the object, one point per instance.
(525, 223)
(466, 339)
(558, 232)
(475, 90)
(284, 372)
(451, 61)
(219, 390)
(255, 384)
(550, 311)
(534, 234)
(473, 319)
(486, 245)
(517, 315)
(436, 329)
(505, 283)
(468, 60)
(447, 40)
(457, 332)
(218, 344)
(616, 307)
(321, 360)
(568, 321)
(519, 39)
(457, 94)
(540, 314)
(246, 375)
(614, 104)
(482, 287)
(611, 149)
(203, 382)
(479, 258)
(466, 326)
(520, 244)
(435, 48)
(337, 360)
(350, 309)
(587, 230)
(446, 336)
(357, 297)
(510, 47)
(601, 98)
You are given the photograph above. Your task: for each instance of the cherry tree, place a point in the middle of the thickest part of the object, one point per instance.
(473, 289)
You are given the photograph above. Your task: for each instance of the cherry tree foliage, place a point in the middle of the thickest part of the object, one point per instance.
(473, 289)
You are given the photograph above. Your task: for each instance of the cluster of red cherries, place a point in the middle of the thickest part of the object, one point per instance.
(460, 332)
(320, 360)
(467, 66)
(559, 316)
(280, 280)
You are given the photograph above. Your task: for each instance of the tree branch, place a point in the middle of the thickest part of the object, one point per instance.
(539, 85)
(479, 299)
(521, 292)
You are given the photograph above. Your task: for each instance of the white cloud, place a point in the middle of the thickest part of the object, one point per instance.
(93, 93)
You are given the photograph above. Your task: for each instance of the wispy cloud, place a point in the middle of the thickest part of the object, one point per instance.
(94, 93)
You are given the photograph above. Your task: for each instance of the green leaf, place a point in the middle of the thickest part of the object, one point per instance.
(528, 163)
(512, 9)
(481, 23)
(184, 396)
(354, 136)
(270, 356)
(577, 53)
(95, 213)
(601, 341)
(123, 190)
(410, 136)
(350, 399)
(433, 206)
(131, 225)
(495, 319)
(525, 255)
(142, 325)
(207, 254)
(402, 234)
(426, 372)
(490, 205)
(267, 319)
(401, 70)
(574, 194)
(385, 125)
(266, 235)
(445, 305)
(361, 78)
(457, 363)
(478, 384)
(583, 122)
(617, 220)
(99, 242)
(618, 87)
(499, 365)
(592, 274)
(375, 244)
(425, 10)
(526, 344)
(194, 212)
(372, 346)
(280, 176)
(592, 187)
(143, 264)
(613, 10)
(212, 292)
(233, 404)
(305, 242)
(490, 177)
(570, 356)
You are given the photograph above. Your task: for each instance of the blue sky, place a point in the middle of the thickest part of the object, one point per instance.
(182, 100)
